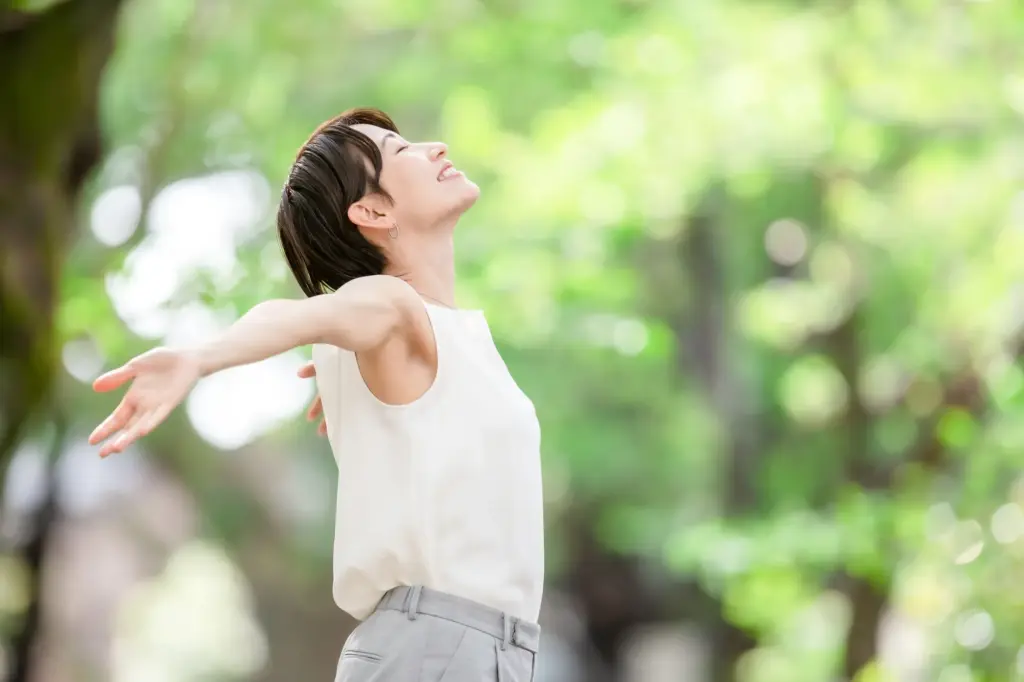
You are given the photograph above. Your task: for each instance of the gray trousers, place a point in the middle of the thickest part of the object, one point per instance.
(421, 635)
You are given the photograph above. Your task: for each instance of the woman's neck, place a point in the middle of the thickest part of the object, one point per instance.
(430, 269)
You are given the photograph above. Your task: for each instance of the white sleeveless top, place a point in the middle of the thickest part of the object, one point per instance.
(444, 492)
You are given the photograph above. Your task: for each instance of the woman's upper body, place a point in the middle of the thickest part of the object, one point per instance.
(438, 450)
(443, 490)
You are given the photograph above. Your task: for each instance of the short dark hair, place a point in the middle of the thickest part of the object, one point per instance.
(331, 172)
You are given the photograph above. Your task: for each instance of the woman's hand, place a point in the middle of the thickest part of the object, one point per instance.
(160, 380)
(316, 409)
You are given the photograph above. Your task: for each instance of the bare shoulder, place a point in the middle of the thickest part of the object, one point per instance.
(379, 310)
(382, 288)
(395, 293)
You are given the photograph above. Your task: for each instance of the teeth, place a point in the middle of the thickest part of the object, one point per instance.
(447, 173)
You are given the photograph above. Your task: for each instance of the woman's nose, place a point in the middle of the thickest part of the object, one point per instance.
(438, 150)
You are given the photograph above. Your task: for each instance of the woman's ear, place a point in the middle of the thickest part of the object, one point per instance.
(370, 212)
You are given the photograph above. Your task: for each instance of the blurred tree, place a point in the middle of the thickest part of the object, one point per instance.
(49, 142)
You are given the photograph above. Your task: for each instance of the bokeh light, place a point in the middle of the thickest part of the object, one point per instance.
(757, 265)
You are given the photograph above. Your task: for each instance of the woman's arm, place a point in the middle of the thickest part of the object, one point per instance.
(360, 316)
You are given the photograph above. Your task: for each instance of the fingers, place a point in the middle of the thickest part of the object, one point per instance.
(112, 424)
(317, 407)
(141, 425)
(117, 443)
(315, 410)
(113, 378)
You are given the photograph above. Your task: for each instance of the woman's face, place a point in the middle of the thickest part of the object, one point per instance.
(427, 191)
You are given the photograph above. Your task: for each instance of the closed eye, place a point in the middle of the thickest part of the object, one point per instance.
(392, 137)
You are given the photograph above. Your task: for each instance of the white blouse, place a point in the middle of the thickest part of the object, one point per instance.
(444, 492)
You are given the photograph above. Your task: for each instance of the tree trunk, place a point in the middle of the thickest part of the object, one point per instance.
(34, 553)
(706, 339)
(610, 592)
(704, 342)
(49, 141)
(867, 599)
(867, 604)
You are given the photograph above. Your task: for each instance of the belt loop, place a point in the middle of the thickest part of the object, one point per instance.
(506, 626)
(414, 601)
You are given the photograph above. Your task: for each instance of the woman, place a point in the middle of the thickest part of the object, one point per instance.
(439, 533)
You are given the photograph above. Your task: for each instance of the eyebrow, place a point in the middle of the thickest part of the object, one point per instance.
(384, 140)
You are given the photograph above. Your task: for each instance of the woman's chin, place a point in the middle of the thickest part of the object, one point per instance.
(458, 197)
(468, 192)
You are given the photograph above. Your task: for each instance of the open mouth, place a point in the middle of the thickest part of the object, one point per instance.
(448, 172)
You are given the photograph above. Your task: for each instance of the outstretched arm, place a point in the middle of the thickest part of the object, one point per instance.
(360, 316)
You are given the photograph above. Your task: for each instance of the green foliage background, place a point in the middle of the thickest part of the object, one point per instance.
(758, 265)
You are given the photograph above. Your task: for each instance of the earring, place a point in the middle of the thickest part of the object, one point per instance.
(393, 231)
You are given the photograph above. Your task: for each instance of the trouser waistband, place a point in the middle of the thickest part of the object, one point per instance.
(507, 629)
